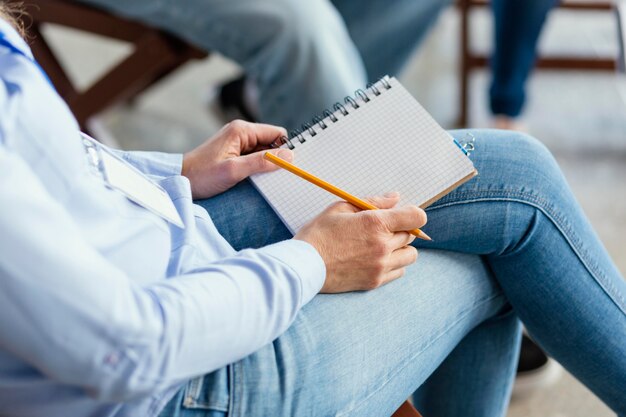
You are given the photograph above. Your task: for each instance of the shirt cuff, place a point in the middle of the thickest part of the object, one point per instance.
(305, 260)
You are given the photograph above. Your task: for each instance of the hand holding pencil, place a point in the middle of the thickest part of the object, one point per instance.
(357, 202)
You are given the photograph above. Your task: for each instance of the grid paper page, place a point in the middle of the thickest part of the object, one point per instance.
(388, 144)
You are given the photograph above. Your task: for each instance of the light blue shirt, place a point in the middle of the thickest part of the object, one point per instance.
(105, 308)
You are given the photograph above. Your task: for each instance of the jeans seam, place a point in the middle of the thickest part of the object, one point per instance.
(236, 395)
(559, 222)
(194, 387)
(231, 389)
(403, 365)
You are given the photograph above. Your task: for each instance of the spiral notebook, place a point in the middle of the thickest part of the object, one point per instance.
(378, 141)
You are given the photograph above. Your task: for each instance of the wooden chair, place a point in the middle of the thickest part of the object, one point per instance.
(406, 410)
(471, 60)
(155, 54)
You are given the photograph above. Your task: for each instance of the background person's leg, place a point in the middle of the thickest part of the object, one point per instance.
(518, 25)
(386, 32)
(299, 53)
(520, 214)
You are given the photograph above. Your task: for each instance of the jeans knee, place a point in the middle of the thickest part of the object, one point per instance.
(298, 26)
(522, 162)
(540, 168)
(532, 148)
(522, 182)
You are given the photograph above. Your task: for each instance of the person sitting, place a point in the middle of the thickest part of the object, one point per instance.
(301, 57)
(110, 309)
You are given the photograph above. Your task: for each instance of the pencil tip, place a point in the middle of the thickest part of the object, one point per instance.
(424, 236)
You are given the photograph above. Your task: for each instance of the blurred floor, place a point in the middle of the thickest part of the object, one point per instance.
(580, 116)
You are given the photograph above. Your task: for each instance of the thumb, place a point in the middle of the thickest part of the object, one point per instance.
(386, 201)
(255, 163)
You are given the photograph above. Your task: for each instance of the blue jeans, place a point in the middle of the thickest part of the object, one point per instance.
(306, 55)
(518, 25)
(448, 330)
(303, 55)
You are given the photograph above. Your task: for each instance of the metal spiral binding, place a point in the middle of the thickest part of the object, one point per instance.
(375, 90)
(362, 95)
(330, 115)
(349, 102)
(352, 102)
(320, 122)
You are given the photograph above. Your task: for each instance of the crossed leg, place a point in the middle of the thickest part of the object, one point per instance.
(447, 326)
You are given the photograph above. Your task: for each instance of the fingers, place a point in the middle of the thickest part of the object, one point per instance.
(267, 134)
(401, 239)
(389, 200)
(398, 262)
(402, 257)
(403, 218)
(254, 135)
(386, 201)
(341, 207)
(392, 275)
(285, 154)
(392, 219)
(254, 163)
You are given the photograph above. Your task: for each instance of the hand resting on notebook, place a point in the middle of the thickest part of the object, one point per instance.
(231, 155)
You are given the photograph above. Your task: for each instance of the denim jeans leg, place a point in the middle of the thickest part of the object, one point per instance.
(386, 33)
(244, 218)
(362, 354)
(453, 389)
(518, 25)
(299, 52)
(422, 328)
(520, 214)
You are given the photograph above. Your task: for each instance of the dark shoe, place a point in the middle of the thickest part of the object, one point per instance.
(535, 370)
(228, 102)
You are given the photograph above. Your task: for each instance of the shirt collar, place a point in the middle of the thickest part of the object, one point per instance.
(14, 39)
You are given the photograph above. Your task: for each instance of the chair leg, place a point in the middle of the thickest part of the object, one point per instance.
(184, 55)
(153, 55)
(464, 68)
(406, 410)
(44, 55)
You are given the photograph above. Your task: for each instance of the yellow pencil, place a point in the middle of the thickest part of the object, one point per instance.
(355, 201)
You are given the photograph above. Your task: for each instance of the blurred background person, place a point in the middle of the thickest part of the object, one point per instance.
(298, 57)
